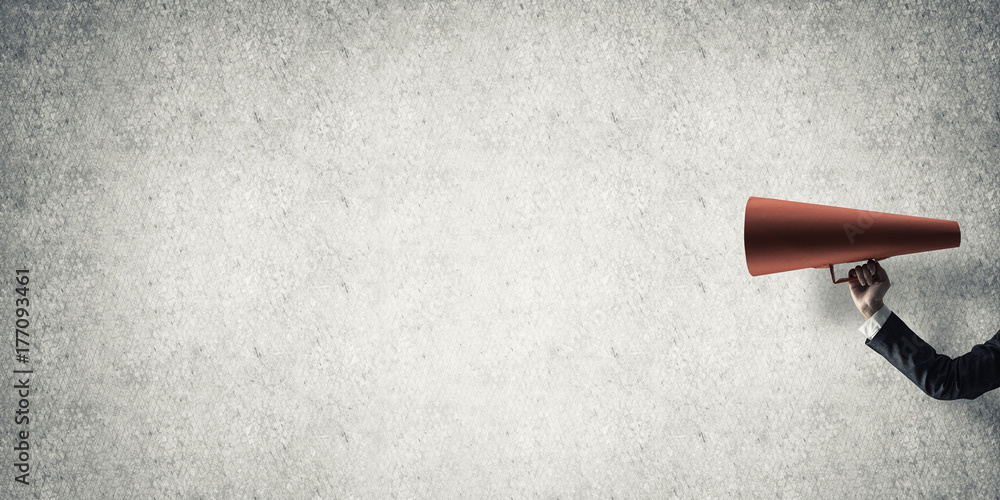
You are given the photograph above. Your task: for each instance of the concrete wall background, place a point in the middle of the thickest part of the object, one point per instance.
(308, 249)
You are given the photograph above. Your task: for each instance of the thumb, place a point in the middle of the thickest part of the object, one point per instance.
(855, 285)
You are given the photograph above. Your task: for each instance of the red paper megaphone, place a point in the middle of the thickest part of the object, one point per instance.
(786, 235)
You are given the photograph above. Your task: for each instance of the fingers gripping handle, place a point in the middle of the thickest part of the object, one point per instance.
(843, 280)
(849, 278)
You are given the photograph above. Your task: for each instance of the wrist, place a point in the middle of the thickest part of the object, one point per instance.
(869, 310)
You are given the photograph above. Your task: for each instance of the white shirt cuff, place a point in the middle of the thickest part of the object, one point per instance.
(874, 323)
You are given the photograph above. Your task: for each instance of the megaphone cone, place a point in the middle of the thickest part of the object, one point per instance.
(786, 235)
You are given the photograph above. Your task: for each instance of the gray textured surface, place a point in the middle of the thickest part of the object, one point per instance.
(328, 250)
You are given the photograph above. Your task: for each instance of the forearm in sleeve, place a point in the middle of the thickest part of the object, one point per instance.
(939, 376)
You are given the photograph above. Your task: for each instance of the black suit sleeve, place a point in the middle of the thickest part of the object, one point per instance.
(941, 377)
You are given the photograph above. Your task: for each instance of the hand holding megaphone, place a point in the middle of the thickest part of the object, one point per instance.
(869, 287)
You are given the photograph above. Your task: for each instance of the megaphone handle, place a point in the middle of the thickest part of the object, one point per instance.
(844, 280)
